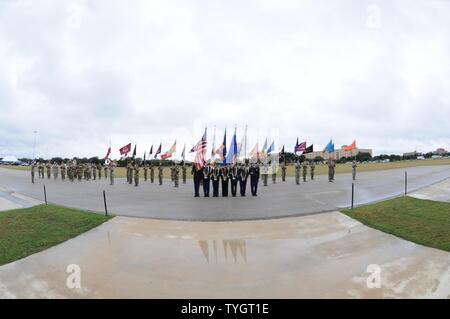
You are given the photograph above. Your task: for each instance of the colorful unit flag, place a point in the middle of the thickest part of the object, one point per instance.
(271, 148)
(183, 154)
(222, 150)
(134, 152)
(170, 152)
(232, 154)
(351, 147)
(254, 154)
(309, 149)
(158, 151)
(125, 150)
(330, 147)
(151, 151)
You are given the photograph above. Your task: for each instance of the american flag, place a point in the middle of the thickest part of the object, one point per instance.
(200, 148)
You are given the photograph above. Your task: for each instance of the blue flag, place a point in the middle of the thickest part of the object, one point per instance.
(271, 148)
(233, 150)
(330, 147)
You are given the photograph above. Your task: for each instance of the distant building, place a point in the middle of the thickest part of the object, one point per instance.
(440, 151)
(10, 160)
(412, 154)
(338, 154)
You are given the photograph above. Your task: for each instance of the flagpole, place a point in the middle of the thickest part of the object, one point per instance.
(245, 141)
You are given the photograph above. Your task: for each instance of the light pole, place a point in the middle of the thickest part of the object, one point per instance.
(34, 145)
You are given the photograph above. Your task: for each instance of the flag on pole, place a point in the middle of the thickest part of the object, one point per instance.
(300, 147)
(183, 154)
(200, 148)
(108, 153)
(351, 147)
(158, 151)
(254, 154)
(144, 155)
(222, 150)
(282, 151)
(309, 149)
(213, 144)
(330, 147)
(151, 151)
(170, 152)
(125, 150)
(134, 152)
(271, 148)
(264, 148)
(232, 154)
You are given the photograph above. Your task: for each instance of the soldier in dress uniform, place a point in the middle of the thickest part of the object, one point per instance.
(111, 167)
(206, 178)
(197, 175)
(63, 171)
(145, 172)
(283, 172)
(215, 177)
(49, 168)
(225, 176)
(176, 175)
(33, 169)
(234, 177)
(160, 173)
(243, 176)
(312, 169)
(254, 178)
(305, 170)
(298, 168)
(136, 174)
(152, 173)
(354, 166)
(183, 172)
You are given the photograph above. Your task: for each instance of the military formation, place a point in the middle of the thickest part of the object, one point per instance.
(227, 178)
(212, 176)
(73, 171)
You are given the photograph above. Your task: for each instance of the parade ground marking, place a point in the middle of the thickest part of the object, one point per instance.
(423, 222)
(27, 231)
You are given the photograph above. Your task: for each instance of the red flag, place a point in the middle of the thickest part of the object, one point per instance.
(125, 150)
(351, 147)
(108, 153)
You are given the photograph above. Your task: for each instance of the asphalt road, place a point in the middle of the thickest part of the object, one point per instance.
(279, 200)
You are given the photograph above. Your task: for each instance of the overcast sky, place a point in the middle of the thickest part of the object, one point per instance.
(83, 73)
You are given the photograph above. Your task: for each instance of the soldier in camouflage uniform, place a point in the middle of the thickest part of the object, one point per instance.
(105, 170)
(183, 172)
(265, 174)
(112, 167)
(33, 169)
(354, 166)
(331, 166)
(312, 169)
(130, 173)
(172, 172)
(160, 173)
(41, 170)
(298, 168)
(136, 174)
(63, 171)
(145, 172)
(49, 169)
(305, 170)
(152, 173)
(99, 169)
(274, 174)
(94, 172)
(176, 175)
(283, 172)
(55, 170)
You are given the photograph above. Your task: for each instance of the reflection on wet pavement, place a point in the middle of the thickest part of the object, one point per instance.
(210, 250)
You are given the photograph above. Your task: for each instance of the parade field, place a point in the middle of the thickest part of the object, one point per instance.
(27, 231)
(321, 169)
(424, 222)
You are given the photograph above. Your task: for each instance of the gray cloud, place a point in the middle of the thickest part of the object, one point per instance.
(84, 73)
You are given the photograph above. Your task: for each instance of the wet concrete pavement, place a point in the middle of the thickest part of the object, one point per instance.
(279, 200)
(324, 256)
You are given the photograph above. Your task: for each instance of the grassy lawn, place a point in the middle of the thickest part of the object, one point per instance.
(27, 231)
(423, 222)
(320, 169)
